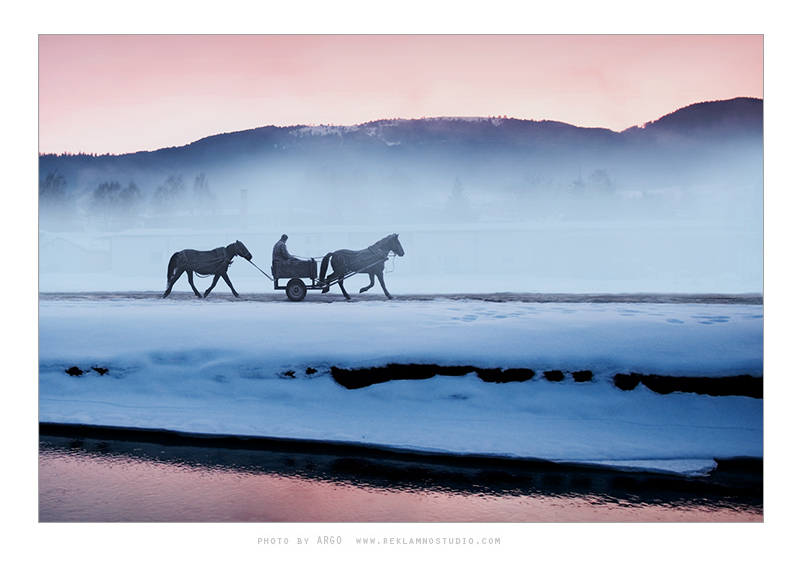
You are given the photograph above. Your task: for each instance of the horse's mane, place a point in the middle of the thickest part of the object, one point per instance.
(377, 247)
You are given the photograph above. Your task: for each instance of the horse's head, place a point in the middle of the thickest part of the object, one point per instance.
(397, 248)
(242, 251)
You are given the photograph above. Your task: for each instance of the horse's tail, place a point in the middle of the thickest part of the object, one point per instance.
(172, 267)
(324, 268)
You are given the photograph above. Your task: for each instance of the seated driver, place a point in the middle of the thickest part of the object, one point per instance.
(281, 255)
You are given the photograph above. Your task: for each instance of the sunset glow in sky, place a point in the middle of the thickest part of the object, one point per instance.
(125, 93)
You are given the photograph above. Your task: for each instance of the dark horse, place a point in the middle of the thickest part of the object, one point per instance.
(368, 261)
(205, 263)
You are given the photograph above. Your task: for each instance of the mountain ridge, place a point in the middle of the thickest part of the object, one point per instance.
(324, 167)
(693, 116)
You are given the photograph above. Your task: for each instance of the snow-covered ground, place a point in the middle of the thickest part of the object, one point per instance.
(254, 282)
(221, 367)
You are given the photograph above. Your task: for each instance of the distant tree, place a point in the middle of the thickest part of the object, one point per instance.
(592, 199)
(459, 207)
(131, 200)
(578, 187)
(170, 197)
(56, 206)
(104, 200)
(601, 182)
(53, 190)
(204, 199)
(113, 206)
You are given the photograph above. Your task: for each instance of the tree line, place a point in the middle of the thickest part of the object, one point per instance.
(111, 205)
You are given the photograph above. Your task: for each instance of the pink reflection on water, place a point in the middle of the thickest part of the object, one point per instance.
(89, 488)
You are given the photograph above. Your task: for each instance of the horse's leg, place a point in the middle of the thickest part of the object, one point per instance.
(172, 271)
(326, 283)
(337, 275)
(383, 285)
(371, 283)
(191, 282)
(228, 281)
(210, 287)
(336, 268)
(172, 281)
(341, 285)
(323, 269)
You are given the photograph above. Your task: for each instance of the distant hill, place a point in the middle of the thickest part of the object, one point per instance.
(311, 172)
(739, 116)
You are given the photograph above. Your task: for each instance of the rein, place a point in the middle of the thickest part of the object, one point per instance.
(384, 259)
(392, 254)
(384, 254)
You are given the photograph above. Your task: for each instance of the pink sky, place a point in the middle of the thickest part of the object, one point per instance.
(124, 93)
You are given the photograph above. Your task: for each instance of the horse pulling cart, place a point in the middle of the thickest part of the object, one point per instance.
(344, 263)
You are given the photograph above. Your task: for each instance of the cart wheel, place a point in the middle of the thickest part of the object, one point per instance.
(296, 289)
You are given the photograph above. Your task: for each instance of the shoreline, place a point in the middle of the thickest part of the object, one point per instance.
(749, 467)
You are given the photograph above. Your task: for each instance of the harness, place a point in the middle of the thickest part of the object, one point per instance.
(372, 255)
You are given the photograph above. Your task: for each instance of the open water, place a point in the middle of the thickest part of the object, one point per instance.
(96, 476)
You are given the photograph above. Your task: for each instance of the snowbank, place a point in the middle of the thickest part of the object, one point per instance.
(263, 369)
